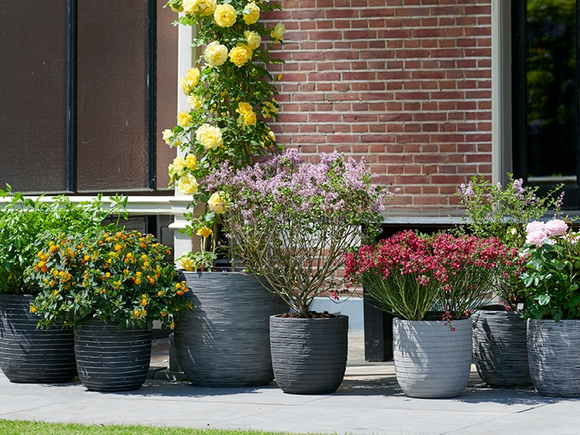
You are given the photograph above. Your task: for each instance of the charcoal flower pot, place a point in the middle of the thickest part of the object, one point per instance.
(554, 356)
(225, 341)
(309, 355)
(28, 354)
(112, 359)
(500, 351)
(431, 360)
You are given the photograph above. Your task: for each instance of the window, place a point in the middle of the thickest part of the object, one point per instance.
(545, 94)
(86, 92)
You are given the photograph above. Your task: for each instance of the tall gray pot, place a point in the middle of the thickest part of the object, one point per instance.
(431, 360)
(28, 354)
(112, 359)
(224, 341)
(309, 355)
(500, 350)
(554, 355)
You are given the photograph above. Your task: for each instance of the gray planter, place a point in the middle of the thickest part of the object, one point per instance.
(309, 355)
(28, 354)
(112, 359)
(225, 340)
(431, 361)
(500, 350)
(554, 356)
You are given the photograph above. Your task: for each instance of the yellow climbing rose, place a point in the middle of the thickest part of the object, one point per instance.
(225, 15)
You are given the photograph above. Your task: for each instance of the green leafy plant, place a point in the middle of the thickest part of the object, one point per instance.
(439, 277)
(552, 271)
(494, 211)
(122, 277)
(24, 220)
(291, 223)
(231, 95)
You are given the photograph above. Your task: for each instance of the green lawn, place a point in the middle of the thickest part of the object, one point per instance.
(18, 427)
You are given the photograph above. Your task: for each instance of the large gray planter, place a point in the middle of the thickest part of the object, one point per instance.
(309, 355)
(431, 360)
(28, 354)
(500, 350)
(224, 341)
(112, 359)
(554, 356)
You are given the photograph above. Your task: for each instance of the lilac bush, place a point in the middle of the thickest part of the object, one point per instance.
(291, 222)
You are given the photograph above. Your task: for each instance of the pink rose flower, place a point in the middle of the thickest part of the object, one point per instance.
(556, 227)
(537, 238)
(535, 226)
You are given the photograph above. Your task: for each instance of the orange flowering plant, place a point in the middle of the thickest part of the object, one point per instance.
(231, 97)
(121, 277)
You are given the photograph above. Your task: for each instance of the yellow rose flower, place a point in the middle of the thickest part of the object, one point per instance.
(207, 7)
(240, 54)
(167, 134)
(190, 7)
(253, 38)
(244, 108)
(216, 54)
(184, 86)
(250, 118)
(191, 162)
(188, 263)
(193, 102)
(225, 15)
(209, 136)
(278, 32)
(183, 119)
(217, 202)
(188, 184)
(204, 232)
(177, 167)
(251, 13)
(270, 110)
(192, 76)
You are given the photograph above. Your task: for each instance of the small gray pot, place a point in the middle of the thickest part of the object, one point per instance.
(431, 360)
(309, 355)
(500, 350)
(554, 356)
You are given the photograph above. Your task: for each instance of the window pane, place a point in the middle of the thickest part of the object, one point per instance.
(33, 105)
(166, 88)
(112, 149)
(551, 88)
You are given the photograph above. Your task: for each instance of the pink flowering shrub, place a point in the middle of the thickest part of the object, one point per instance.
(291, 222)
(552, 271)
(420, 277)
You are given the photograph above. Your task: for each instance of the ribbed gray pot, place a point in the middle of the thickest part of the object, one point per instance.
(112, 359)
(431, 360)
(225, 341)
(309, 355)
(28, 354)
(500, 351)
(554, 356)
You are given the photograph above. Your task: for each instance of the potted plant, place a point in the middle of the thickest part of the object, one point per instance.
(110, 287)
(291, 223)
(28, 354)
(432, 284)
(499, 333)
(552, 307)
(224, 341)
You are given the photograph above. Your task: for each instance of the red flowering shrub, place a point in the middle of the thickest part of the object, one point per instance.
(429, 277)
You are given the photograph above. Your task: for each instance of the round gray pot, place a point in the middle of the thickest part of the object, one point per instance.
(112, 359)
(309, 355)
(28, 354)
(431, 360)
(500, 350)
(225, 341)
(554, 353)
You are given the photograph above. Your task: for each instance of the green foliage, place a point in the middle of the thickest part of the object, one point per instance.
(23, 221)
(122, 277)
(552, 279)
(231, 96)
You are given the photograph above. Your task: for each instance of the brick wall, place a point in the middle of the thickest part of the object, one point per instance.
(404, 83)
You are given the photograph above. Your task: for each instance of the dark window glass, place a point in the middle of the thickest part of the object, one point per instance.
(33, 97)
